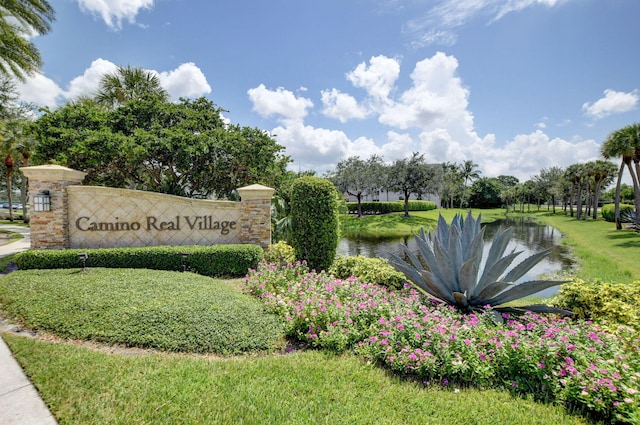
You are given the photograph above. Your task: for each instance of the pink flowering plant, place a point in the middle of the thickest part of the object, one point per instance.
(552, 359)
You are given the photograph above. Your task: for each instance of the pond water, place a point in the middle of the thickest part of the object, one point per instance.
(529, 237)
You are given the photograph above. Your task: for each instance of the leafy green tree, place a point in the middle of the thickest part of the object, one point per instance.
(413, 176)
(179, 148)
(314, 221)
(19, 19)
(359, 178)
(127, 84)
(485, 193)
(548, 181)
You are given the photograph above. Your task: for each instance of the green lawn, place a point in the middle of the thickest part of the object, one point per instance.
(84, 386)
(395, 225)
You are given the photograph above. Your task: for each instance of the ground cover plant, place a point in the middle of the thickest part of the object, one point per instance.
(548, 358)
(169, 311)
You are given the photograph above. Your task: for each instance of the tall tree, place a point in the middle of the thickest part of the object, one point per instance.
(468, 171)
(625, 143)
(129, 83)
(451, 184)
(358, 177)
(603, 172)
(550, 180)
(179, 148)
(413, 176)
(19, 19)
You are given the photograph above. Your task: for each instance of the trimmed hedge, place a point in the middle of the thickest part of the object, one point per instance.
(608, 211)
(231, 260)
(389, 207)
(314, 221)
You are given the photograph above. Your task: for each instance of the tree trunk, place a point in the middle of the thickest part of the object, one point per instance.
(23, 192)
(617, 198)
(579, 200)
(406, 204)
(636, 191)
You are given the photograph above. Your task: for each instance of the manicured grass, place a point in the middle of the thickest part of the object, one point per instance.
(603, 252)
(169, 311)
(87, 387)
(395, 225)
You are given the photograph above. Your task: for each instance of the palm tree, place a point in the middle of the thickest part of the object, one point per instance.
(624, 143)
(575, 174)
(603, 172)
(7, 147)
(18, 20)
(468, 172)
(25, 148)
(127, 84)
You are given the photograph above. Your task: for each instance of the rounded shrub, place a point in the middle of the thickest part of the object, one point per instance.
(314, 221)
(376, 271)
(609, 211)
(603, 302)
(280, 252)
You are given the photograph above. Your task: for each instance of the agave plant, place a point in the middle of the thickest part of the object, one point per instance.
(450, 269)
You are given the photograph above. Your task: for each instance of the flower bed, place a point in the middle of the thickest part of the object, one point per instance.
(551, 359)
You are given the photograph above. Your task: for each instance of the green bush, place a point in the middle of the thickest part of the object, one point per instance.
(216, 260)
(602, 302)
(389, 207)
(376, 271)
(314, 221)
(609, 211)
(280, 252)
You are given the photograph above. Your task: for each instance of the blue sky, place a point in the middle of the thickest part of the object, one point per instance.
(514, 85)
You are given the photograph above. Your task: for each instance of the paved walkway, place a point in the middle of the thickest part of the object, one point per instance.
(20, 403)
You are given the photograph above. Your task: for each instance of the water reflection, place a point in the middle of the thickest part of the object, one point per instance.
(529, 237)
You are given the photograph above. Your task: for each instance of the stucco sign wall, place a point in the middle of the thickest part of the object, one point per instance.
(69, 215)
(107, 217)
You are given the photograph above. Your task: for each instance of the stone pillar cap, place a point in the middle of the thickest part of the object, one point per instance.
(53, 172)
(256, 191)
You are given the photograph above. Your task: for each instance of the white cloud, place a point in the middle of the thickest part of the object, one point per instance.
(87, 83)
(436, 99)
(613, 102)
(378, 79)
(39, 90)
(279, 102)
(342, 106)
(440, 23)
(185, 81)
(113, 12)
(312, 148)
(433, 117)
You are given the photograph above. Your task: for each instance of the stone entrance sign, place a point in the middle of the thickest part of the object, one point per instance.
(103, 217)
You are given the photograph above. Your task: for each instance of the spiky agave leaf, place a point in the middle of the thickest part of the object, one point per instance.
(522, 290)
(451, 262)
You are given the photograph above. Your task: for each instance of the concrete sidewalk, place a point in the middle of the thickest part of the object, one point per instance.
(20, 403)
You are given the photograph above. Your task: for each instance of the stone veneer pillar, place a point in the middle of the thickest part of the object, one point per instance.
(256, 214)
(50, 229)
